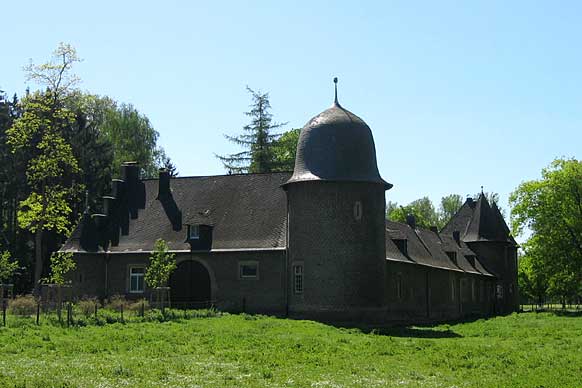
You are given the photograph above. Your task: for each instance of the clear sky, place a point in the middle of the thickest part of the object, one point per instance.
(458, 94)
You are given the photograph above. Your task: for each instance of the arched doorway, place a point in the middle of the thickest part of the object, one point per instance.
(190, 285)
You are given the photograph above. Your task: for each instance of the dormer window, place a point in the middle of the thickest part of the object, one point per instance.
(194, 232)
(452, 256)
(402, 246)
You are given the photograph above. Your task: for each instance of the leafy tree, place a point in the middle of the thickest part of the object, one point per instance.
(162, 264)
(285, 150)
(7, 267)
(62, 264)
(531, 276)
(550, 209)
(450, 205)
(422, 209)
(51, 168)
(257, 139)
(133, 137)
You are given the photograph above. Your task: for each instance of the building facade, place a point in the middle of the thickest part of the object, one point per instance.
(313, 243)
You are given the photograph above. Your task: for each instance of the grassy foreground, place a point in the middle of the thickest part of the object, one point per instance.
(525, 350)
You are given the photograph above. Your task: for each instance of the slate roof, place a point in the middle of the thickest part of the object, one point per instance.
(478, 221)
(336, 145)
(246, 211)
(421, 246)
(425, 247)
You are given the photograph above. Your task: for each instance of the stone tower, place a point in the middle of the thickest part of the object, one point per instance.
(336, 205)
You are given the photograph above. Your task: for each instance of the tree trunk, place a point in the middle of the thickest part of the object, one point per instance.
(38, 259)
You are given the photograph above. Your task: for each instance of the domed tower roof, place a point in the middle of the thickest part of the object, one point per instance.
(336, 145)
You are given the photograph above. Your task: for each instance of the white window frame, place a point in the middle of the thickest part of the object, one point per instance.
(131, 275)
(298, 278)
(242, 264)
(194, 232)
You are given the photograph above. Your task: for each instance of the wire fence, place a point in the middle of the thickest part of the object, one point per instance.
(29, 309)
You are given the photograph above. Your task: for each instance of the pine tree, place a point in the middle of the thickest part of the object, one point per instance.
(257, 139)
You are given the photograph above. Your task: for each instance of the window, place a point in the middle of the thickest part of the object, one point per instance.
(358, 210)
(399, 286)
(499, 291)
(136, 279)
(298, 279)
(402, 246)
(194, 232)
(452, 289)
(473, 291)
(248, 270)
(452, 256)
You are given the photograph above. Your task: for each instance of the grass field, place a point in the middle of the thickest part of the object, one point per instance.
(521, 350)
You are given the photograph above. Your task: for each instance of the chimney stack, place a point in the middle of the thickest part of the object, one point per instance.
(411, 221)
(457, 237)
(163, 183)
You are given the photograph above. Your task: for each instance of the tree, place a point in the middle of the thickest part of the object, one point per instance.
(133, 138)
(51, 168)
(422, 209)
(162, 264)
(550, 209)
(62, 264)
(450, 205)
(257, 139)
(7, 267)
(285, 150)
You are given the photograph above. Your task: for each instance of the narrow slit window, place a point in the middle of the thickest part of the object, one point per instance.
(298, 279)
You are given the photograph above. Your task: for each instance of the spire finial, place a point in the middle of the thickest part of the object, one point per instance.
(335, 85)
(482, 190)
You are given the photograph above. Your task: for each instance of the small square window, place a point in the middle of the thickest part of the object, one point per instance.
(194, 232)
(248, 270)
(136, 280)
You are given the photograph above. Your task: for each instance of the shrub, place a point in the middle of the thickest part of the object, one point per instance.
(116, 302)
(23, 305)
(87, 306)
(137, 306)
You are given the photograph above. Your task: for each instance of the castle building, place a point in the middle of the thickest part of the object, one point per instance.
(313, 243)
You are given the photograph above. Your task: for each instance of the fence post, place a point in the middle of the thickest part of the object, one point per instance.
(121, 309)
(3, 311)
(38, 313)
(142, 308)
(95, 310)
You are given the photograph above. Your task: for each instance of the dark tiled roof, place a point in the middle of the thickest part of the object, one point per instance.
(246, 212)
(422, 245)
(450, 245)
(336, 145)
(478, 221)
(394, 254)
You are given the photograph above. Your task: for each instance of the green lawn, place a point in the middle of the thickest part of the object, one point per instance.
(522, 350)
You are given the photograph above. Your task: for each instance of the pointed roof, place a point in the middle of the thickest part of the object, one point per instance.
(479, 221)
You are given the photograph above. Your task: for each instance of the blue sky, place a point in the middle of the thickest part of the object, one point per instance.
(458, 94)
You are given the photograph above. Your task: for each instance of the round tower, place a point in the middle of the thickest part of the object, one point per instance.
(336, 205)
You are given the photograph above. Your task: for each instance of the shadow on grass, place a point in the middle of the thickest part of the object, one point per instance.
(421, 331)
(566, 313)
(414, 332)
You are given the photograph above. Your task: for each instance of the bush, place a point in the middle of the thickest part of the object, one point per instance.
(87, 306)
(116, 302)
(137, 306)
(23, 305)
